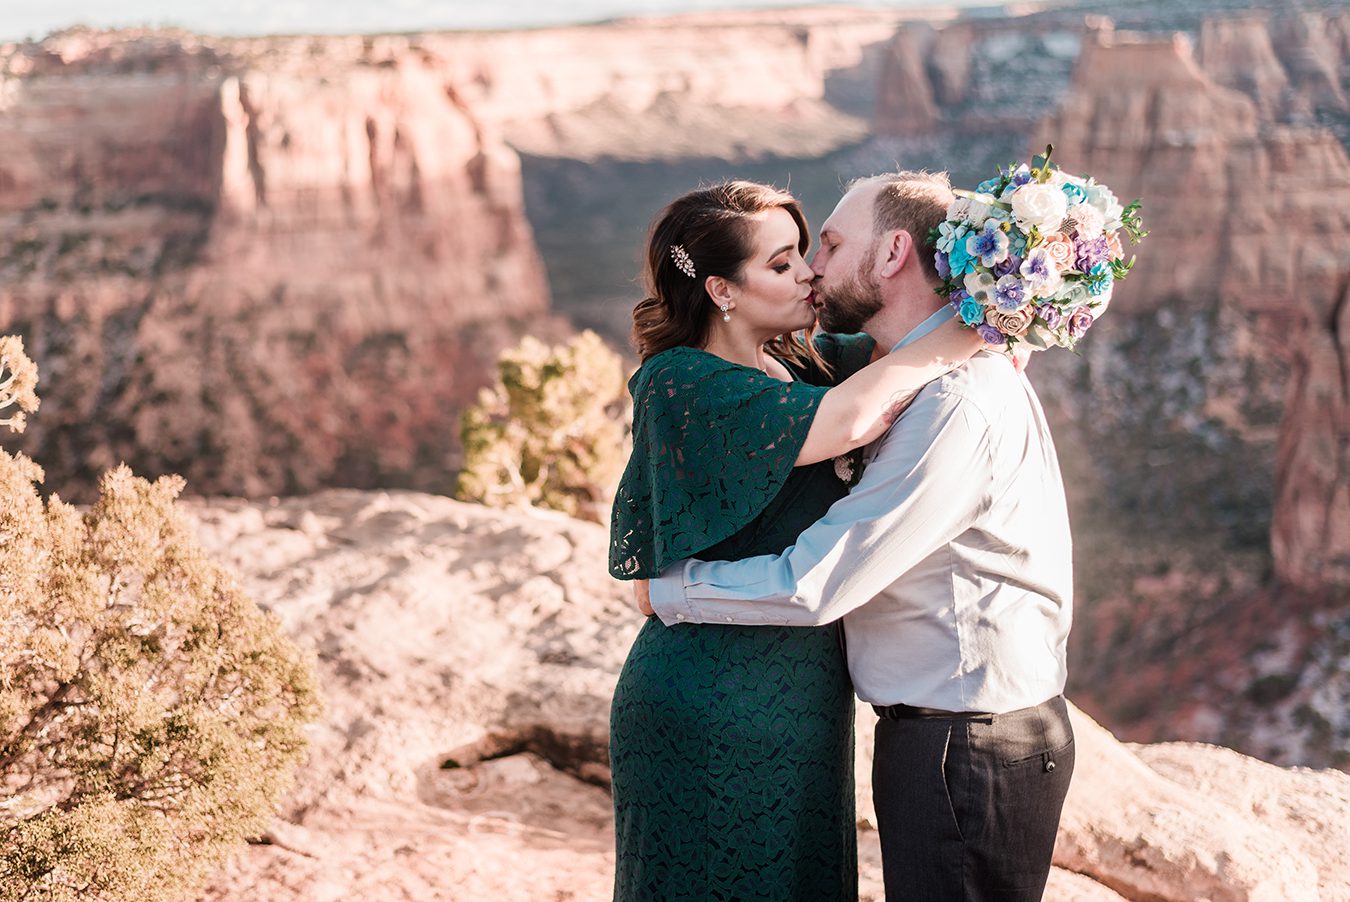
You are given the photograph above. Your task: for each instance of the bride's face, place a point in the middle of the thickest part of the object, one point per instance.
(773, 295)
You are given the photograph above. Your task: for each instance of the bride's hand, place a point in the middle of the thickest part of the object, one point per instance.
(642, 596)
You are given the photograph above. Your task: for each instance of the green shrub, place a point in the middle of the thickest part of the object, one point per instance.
(150, 714)
(550, 432)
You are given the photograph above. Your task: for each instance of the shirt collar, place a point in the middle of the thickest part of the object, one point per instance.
(928, 325)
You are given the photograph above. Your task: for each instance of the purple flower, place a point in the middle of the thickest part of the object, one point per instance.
(991, 335)
(1079, 322)
(1051, 315)
(1010, 293)
(1022, 175)
(943, 264)
(958, 297)
(1009, 266)
(1038, 268)
(1091, 252)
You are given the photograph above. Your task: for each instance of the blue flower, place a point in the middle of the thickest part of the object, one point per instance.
(988, 185)
(960, 259)
(1099, 279)
(949, 233)
(1075, 193)
(1022, 175)
(989, 244)
(972, 312)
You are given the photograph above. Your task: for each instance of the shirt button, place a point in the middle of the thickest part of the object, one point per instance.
(679, 616)
(728, 620)
(1049, 766)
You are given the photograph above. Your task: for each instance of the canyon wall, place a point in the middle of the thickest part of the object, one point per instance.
(275, 264)
(1204, 429)
(250, 271)
(1217, 388)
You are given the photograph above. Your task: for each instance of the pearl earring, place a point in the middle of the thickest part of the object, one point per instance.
(726, 313)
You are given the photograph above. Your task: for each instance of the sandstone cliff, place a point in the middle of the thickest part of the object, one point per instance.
(276, 264)
(266, 271)
(732, 86)
(1226, 342)
(467, 658)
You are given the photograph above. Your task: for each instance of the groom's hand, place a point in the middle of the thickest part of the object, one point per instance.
(642, 597)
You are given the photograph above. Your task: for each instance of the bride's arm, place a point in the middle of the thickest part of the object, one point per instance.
(865, 404)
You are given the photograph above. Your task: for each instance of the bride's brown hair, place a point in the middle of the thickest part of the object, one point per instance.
(714, 226)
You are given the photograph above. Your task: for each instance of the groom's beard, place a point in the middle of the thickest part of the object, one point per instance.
(847, 306)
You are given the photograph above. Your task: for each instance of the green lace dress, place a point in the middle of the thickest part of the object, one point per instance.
(731, 747)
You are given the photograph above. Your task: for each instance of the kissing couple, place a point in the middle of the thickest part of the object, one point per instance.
(873, 508)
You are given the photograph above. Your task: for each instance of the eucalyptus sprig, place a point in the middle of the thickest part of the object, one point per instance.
(1132, 223)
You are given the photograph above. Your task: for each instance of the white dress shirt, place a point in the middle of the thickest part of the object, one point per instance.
(949, 562)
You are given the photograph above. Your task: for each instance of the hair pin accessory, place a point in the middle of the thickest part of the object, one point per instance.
(683, 262)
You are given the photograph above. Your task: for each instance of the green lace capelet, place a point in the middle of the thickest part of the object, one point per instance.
(713, 443)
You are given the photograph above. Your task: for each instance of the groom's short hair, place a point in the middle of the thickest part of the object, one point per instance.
(913, 200)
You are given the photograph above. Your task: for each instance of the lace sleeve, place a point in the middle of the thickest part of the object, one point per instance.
(713, 442)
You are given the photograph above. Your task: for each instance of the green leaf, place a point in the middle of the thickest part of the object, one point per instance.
(1040, 165)
(1034, 340)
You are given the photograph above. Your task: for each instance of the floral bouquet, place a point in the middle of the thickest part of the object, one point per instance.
(1033, 254)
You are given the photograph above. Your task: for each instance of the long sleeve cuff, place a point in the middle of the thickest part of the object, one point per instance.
(668, 597)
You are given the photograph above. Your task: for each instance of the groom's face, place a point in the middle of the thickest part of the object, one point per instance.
(848, 293)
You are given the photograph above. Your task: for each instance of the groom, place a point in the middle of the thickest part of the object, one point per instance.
(949, 563)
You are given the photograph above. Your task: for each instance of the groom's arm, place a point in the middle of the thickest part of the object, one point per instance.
(930, 479)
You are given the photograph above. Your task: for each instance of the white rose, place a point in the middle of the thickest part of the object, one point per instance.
(1039, 205)
(1105, 201)
(972, 208)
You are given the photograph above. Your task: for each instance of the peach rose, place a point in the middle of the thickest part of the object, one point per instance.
(1059, 248)
(1014, 323)
(1113, 246)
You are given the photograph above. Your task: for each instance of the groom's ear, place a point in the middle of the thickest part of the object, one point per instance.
(896, 248)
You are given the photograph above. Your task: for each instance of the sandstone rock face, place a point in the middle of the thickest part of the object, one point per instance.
(1310, 536)
(277, 264)
(1221, 347)
(1237, 53)
(467, 658)
(905, 99)
(267, 271)
(793, 83)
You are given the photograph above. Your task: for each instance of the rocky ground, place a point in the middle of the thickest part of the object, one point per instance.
(467, 657)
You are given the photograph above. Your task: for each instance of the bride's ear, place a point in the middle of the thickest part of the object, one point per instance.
(722, 291)
(899, 248)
